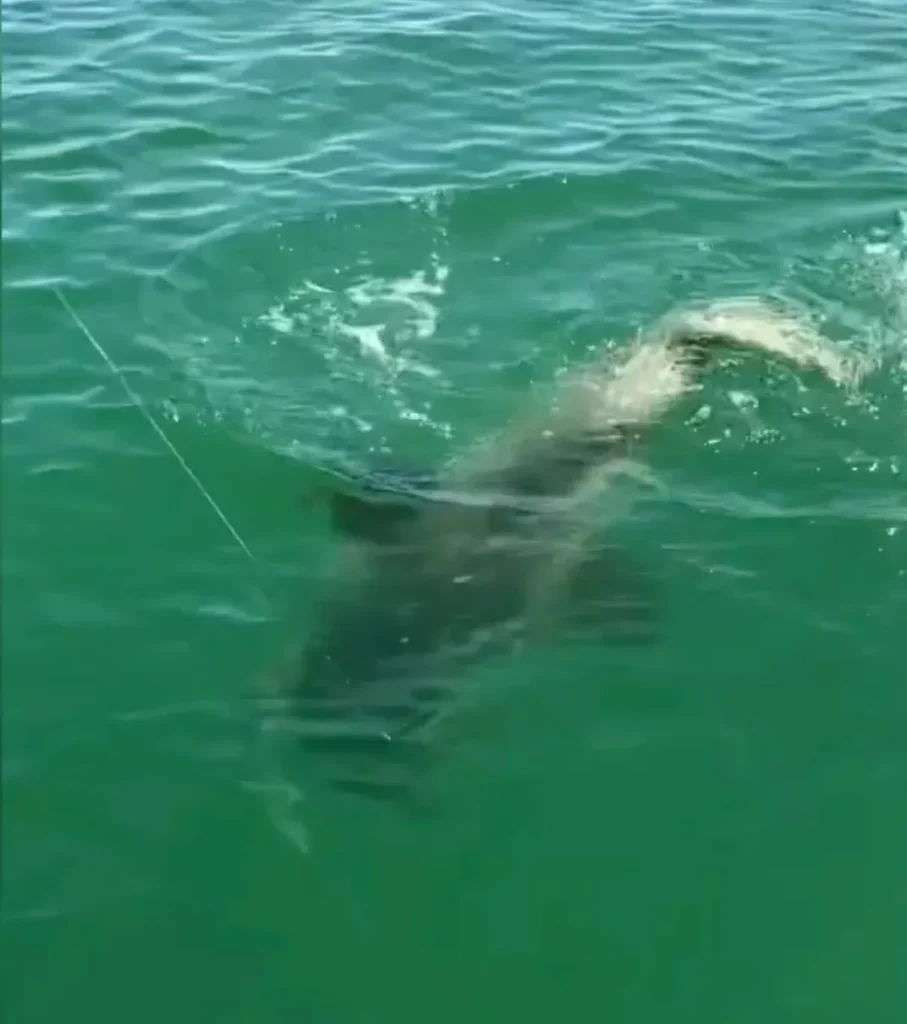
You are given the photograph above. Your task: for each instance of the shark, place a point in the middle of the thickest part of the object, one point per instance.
(502, 548)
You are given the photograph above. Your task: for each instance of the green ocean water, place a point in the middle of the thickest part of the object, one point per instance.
(364, 233)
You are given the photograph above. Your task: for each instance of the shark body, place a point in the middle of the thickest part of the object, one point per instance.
(493, 553)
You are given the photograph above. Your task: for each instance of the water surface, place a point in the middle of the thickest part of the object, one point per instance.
(361, 235)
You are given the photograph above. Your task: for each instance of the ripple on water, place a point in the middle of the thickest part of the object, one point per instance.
(307, 108)
(352, 231)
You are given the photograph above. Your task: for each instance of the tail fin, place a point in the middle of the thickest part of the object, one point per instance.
(598, 411)
(663, 365)
(750, 324)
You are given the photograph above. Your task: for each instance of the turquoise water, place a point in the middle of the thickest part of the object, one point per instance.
(312, 233)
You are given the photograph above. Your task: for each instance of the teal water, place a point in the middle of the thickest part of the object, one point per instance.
(311, 232)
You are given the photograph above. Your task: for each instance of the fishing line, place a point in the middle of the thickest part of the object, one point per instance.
(283, 819)
(153, 423)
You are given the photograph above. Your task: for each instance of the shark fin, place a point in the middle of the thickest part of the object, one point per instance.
(378, 520)
(377, 507)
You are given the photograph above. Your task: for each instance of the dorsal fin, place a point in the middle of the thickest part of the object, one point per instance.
(377, 520)
(376, 507)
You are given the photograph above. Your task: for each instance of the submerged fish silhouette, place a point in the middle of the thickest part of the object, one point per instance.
(490, 554)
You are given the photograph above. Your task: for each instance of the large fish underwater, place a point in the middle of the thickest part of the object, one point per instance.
(494, 552)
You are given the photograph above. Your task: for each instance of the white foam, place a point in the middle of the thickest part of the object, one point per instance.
(385, 316)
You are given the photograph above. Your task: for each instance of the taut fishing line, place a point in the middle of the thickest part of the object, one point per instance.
(155, 426)
(283, 818)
